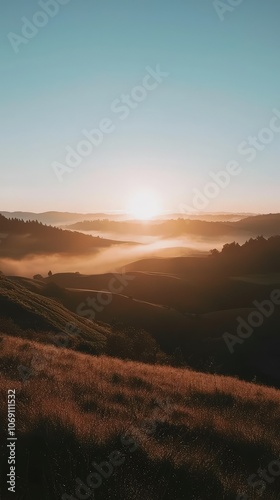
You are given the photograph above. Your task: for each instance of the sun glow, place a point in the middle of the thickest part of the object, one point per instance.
(144, 205)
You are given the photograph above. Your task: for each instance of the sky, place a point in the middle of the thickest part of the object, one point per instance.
(219, 85)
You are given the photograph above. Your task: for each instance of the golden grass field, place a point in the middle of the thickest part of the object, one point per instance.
(194, 436)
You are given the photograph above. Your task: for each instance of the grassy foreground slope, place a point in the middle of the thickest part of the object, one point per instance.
(180, 435)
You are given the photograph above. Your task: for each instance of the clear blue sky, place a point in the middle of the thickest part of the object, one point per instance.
(223, 83)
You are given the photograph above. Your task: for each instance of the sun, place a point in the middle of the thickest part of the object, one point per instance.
(144, 205)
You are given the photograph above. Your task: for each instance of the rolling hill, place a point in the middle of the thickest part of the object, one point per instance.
(22, 238)
(44, 318)
(244, 227)
(186, 316)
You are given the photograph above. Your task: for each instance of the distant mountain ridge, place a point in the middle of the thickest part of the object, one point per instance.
(55, 217)
(58, 218)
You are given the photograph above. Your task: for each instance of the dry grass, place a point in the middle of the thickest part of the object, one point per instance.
(209, 433)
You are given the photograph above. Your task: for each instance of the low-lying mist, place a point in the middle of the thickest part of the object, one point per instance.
(109, 259)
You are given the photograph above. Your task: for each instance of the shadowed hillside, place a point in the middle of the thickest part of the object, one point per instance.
(34, 310)
(267, 224)
(259, 255)
(185, 319)
(44, 318)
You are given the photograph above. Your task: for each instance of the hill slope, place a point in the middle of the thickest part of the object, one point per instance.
(187, 317)
(266, 225)
(31, 309)
(43, 317)
(20, 238)
(170, 433)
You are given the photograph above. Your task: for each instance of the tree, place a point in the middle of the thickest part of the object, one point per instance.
(214, 252)
(49, 274)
